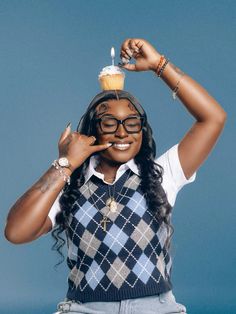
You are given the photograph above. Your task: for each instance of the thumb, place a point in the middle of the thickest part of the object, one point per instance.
(97, 148)
(65, 133)
(129, 66)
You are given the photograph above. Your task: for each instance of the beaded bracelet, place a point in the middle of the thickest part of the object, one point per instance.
(160, 72)
(162, 58)
(66, 178)
(161, 68)
(176, 89)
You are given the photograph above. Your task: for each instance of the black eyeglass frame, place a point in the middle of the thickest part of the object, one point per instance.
(99, 120)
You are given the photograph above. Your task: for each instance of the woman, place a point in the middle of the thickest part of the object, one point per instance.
(116, 211)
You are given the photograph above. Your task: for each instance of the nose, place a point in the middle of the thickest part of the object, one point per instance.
(121, 132)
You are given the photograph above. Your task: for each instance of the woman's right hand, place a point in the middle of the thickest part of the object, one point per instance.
(77, 147)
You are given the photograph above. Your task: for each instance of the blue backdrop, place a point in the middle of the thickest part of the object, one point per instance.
(50, 55)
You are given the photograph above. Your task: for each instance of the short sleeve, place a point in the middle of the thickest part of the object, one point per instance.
(173, 175)
(54, 210)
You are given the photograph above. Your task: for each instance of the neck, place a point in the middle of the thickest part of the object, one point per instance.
(108, 168)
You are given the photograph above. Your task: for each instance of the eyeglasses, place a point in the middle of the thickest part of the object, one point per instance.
(110, 125)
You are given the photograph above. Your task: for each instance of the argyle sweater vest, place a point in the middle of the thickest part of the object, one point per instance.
(126, 261)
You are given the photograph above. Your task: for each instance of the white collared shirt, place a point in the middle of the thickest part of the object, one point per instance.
(173, 176)
(121, 170)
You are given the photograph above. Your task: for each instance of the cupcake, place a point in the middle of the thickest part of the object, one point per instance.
(111, 77)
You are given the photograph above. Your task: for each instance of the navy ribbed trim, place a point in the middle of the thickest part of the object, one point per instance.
(118, 295)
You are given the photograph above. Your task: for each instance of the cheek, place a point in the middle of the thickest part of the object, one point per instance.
(102, 138)
(138, 141)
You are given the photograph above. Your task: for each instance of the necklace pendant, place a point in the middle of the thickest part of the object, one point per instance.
(104, 222)
(113, 206)
(111, 203)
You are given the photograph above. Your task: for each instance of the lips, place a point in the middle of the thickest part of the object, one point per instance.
(121, 146)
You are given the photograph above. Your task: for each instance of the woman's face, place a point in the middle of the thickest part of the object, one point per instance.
(118, 153)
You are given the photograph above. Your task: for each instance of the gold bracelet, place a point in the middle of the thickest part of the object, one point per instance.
(176, 89)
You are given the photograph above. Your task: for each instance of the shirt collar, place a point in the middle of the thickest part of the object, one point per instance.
(93, 162)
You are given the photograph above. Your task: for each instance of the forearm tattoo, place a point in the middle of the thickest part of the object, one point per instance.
(47, 181)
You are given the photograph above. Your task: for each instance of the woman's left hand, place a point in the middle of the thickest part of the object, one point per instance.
(145, 55)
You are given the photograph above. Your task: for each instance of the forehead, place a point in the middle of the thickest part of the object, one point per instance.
(116, 107)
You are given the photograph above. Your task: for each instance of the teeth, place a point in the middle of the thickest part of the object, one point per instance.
(122, 146)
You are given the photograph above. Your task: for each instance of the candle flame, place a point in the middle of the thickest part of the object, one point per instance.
(112, 52)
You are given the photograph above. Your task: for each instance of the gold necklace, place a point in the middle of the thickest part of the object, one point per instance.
(111, 201)
(105, 219)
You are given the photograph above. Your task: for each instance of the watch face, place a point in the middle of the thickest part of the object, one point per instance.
(63, 162)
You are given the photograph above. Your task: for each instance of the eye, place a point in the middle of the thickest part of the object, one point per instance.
(133, 122)
(108, 122)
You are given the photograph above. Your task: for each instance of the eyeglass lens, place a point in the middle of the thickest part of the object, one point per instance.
(131, 125)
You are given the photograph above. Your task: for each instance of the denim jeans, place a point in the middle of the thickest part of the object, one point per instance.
(164, 303)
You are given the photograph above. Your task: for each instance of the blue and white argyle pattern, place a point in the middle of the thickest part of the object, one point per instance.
(129, 259)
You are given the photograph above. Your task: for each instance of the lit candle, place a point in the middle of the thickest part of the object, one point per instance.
(113, 55)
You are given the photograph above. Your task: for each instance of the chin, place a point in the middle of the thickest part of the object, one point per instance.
(119, 157)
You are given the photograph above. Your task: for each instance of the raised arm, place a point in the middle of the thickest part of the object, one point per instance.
(28, 217)
(210, 117)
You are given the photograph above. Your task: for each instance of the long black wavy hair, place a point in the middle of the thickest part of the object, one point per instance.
(151, 172)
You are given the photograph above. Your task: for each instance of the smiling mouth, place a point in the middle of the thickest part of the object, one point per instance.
(121, 146)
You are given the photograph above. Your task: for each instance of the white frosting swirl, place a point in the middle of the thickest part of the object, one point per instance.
(110, 70)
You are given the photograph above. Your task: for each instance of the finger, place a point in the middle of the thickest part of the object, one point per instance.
(125, 44)
(129, 52)
(134, 48)
(93, 140)
(138, 43)
(136, 54)
(65, 133)
(124, 60)
(129, 48)
(97, 148)
(124, 54)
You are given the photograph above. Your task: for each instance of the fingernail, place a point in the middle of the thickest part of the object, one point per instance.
(109, 144)
(68, 125)
(124, 60)
(129, 52)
